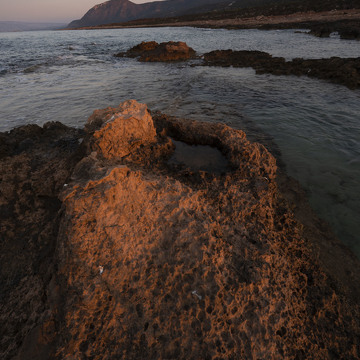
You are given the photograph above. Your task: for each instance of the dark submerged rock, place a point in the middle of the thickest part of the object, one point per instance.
(344, 71)
(348, 30)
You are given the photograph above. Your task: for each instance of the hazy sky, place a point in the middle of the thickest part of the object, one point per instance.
(47, 10)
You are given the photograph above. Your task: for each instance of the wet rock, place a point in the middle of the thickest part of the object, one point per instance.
(166, 52)
(350, 33)
(244, 58)
(344, 71)
(348, 30)
(141, 48)
(321, 31)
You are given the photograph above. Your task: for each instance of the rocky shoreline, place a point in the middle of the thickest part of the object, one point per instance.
(111, 249)
(343, 71)
(346, 29)
(320, 23)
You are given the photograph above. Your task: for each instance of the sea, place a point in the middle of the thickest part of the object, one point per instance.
(314, 125)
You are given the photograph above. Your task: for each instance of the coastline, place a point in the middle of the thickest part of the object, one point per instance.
(296, 20)
(262, 222)
(337, 70)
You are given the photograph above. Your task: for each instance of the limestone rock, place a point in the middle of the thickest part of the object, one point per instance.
(111, 251)
(115, 132)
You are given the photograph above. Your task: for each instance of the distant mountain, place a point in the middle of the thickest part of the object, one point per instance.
(115, 11)
(11, 26)
(120, 11)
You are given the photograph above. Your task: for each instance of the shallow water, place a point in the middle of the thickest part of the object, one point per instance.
(199, 158)
(65, 75)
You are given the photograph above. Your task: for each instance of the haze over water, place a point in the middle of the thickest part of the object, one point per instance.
(63, 76)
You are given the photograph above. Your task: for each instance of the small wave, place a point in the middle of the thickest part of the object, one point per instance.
(52, 63)
(32, 69)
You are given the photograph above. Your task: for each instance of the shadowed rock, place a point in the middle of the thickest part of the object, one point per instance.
(344, 71)
(35, 163)
(348, 30)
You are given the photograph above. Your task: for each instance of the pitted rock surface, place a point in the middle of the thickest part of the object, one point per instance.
(117, 131)
(152, 260)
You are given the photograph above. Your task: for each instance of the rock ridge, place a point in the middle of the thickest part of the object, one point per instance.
(344, 71)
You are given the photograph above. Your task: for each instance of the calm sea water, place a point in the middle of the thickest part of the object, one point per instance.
(65, 75)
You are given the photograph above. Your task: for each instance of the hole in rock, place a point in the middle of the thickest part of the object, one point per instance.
(199, 157)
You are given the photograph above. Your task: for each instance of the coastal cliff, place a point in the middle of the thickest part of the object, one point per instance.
(145, 236)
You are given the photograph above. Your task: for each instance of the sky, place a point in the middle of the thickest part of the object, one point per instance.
(62, 11)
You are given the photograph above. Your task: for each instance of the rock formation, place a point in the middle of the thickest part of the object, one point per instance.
(148, 259)
(344, 71)
(348, 30)
(151, 51)
(35, 163)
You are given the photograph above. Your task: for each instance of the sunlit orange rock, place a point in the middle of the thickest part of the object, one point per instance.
(195, 264)
(117, 131)
(169, 51)
(158, 257)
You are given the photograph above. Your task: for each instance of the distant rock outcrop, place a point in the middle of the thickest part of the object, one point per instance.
(151, 51)
(109, 250)
(348, 30)
(344, 71)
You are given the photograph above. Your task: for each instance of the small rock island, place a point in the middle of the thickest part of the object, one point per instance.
(151, 51)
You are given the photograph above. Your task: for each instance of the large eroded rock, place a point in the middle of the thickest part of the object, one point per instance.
(195, 265)
(150, 259)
